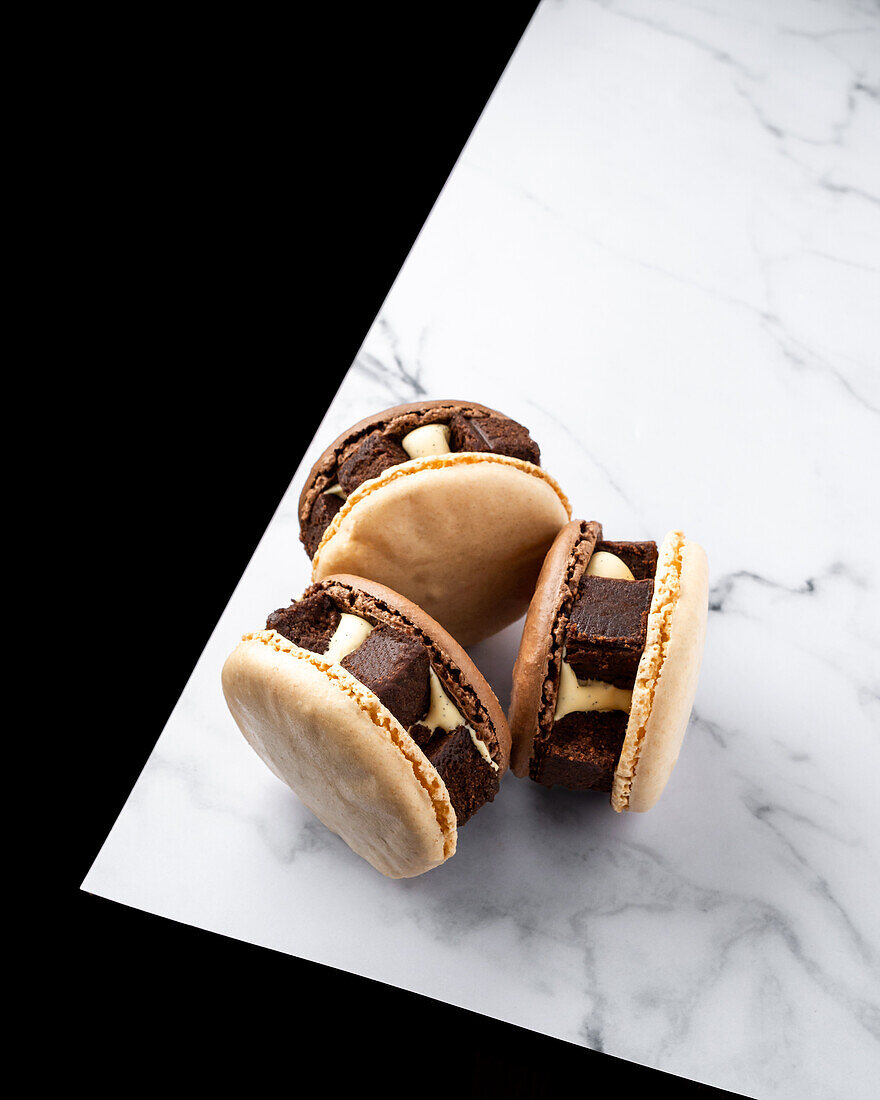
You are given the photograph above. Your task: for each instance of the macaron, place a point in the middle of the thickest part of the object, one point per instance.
(446, 502)
(607, 669)
(374, 716)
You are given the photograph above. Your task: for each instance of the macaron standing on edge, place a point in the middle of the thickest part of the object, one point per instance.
(375, 716)
(443, 501)
(608, 664)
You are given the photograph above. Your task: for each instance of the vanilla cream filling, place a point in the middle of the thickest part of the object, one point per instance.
(588, 695)
(351, 633)
(430, 439)
(336, 491)
(444, 715)
(603, 564)
(481, 748)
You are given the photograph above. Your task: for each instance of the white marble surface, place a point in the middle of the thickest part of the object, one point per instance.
(660, 250)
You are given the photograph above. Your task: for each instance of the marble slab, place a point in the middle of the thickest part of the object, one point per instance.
(660, 249)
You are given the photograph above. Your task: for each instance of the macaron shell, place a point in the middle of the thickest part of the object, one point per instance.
(666, 681)
(533, 659)
(462, 535)
(346, 757)
(451, 649)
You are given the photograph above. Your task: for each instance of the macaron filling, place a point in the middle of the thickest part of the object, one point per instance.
(437, 429)
(584, 719)
(406, 672)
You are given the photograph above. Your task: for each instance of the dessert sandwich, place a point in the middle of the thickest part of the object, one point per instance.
(607, 668)
(443, 501)
(375, 716)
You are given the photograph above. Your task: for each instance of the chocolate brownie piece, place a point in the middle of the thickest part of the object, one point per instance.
(323, 510)
(310, 622)
(468, 778)
(583, 751)
(639, 557)
(612, 666)
(421, 734)
(394, 666)
(607, 629)
(612, 611)
(493, 433)
(375, 455)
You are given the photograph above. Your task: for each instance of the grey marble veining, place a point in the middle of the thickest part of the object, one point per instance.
(660, 249)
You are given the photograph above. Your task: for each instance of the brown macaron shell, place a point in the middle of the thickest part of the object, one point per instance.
(536, 671)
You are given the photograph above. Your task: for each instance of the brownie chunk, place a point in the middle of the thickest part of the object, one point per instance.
(611, 611)
(310, 622)
(598, 662)
(582, 751)
(323, 511)
(468, 778)
(375, 455)
(640, 557)
(394, 666)
(607, 629)
(421, 734)
(493, 433)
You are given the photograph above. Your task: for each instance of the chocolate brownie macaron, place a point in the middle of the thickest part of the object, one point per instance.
(445, 502)
(608, 664)
(374, 716)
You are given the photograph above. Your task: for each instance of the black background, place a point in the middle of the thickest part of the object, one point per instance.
(245, 195)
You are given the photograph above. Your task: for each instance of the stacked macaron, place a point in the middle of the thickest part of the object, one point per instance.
(375, 716)
(444, 501)
(431, 526)
(607, 668)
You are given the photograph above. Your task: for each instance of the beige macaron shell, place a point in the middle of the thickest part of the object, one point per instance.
(343, 753)
(462, 535)
(666, 681)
